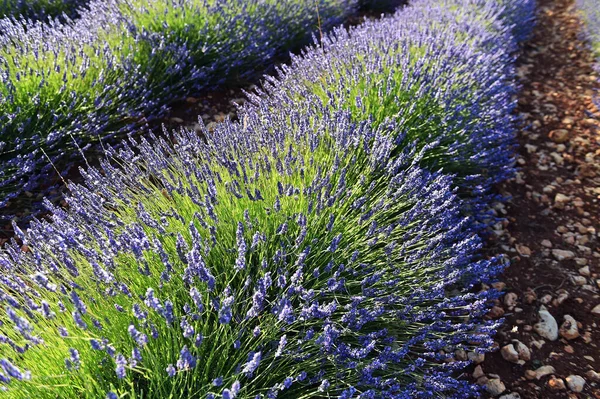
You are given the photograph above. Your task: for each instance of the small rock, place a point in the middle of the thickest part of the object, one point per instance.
(556, 384)
(476, 357)
(568, 329)
(560, 200)
(559, 135)
(585, 271)
(561, 254)
(510, 300)
(575, 383)
(460, 354)
(544, 371)
(596, 309)
(512, 395)
(578, 280)
(509, 353)
(495, 387)
(546, 243)
(547, 327)
(522, 350)
(530, 374)
(563, 295)
(592, 375)
(538, 344)
(523, 250)
(581, 261)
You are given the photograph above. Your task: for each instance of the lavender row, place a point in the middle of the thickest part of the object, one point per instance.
(441, 73)
(43, 10)
(300, 252)
(117, 68)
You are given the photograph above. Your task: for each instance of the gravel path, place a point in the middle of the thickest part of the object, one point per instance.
(549, 344)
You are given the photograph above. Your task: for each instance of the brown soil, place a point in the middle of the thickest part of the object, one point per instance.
(555, 197)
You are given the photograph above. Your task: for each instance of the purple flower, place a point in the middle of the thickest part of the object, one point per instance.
(252, 364)
(121, 363)
(186, 360)
(225, 308)
(73, 362)
(171, 370)
(140, 338)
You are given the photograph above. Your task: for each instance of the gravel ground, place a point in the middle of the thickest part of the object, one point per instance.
(549, 344)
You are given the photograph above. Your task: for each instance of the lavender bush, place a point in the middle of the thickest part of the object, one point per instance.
(441, 71)
(120, 65)
(40, 9)
(302, 252)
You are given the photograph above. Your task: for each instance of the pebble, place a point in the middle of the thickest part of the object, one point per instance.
(556, 384)
(544, 371)
(476, 357)
(579, 280)
(575, 383)
(509, 353)
(592, 375)
(560, 200)
(510, 299)
(523, 250)
(568, 329)
(561, 254)
(585, 271)
(559, 135)
(563, 295)
(522, 350)
(547, 327)
(530, 374)
(495, 387)
(512, 395)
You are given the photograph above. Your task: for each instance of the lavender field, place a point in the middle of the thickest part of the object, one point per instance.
(325, 244)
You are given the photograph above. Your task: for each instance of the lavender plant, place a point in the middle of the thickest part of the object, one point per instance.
(40, 9)
(442, 71)
(303, 251)
(295, 259)
(120, 65)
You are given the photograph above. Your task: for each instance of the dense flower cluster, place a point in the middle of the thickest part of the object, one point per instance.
(316, 248)
(459, 96)
(66, 86)
(40, 9)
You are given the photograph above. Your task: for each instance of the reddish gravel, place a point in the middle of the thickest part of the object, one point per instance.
(555, 207)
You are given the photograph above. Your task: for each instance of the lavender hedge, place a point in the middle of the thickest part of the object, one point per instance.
(120, 65)
(40, 9)
(302, 252)
(441, 73)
